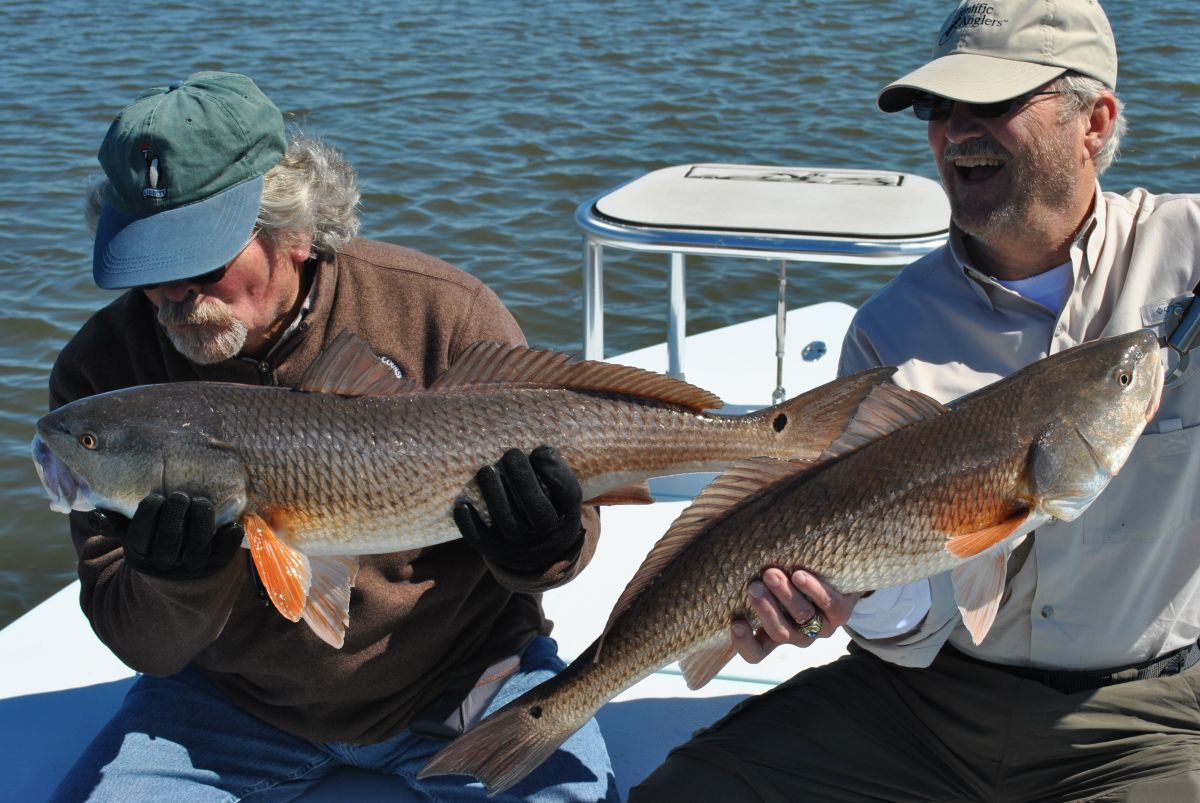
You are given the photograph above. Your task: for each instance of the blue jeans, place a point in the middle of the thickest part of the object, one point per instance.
(178, 738)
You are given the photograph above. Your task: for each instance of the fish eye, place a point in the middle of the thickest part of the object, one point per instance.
(88, 441)
(1124, 378)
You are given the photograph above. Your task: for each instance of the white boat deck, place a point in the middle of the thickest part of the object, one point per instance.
(60, 684)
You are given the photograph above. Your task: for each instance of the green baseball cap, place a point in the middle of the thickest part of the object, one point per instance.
(185, 166)
(993, 51)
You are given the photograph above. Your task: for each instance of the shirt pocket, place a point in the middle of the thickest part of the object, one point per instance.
(1156, 494)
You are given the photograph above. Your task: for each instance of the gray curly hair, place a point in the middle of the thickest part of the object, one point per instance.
(1079, 92)
(311, 191)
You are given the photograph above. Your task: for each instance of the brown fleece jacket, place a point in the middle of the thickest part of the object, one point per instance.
(421, 621)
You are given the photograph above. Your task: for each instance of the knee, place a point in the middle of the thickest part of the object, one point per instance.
(687, 779)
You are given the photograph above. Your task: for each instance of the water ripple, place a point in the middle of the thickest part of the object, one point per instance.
(476, 128)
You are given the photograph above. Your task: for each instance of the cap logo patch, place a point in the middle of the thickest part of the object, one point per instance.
(152, 188)
(976, 15)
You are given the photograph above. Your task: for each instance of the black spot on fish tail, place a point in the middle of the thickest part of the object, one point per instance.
(536, 712)
(780, 422)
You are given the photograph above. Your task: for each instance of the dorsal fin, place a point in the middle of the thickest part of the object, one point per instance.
(886, 409)
(505, 364)
(744, 481)
(348, 367)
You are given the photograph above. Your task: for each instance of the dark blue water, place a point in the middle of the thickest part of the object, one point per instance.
(477, 128)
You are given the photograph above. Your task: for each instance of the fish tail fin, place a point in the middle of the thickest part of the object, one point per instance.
(807, 424)
(512, 742)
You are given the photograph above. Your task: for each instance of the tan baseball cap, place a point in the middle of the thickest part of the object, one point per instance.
(987, 52)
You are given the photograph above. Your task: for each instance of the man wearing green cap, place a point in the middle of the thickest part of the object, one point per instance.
(1087, 686)
(238, 252)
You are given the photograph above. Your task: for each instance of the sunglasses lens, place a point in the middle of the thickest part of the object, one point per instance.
(992, 110)
(930, 107)
(212, 277)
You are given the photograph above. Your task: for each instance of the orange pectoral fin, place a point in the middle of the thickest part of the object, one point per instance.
(968, 545)
(284, 571)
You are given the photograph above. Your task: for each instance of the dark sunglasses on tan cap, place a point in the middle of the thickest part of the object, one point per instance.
(928, 107)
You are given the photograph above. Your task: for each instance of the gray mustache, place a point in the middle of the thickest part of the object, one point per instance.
(175, 313)
(973, 148)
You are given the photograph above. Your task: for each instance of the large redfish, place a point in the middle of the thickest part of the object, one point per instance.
(357, 461)
(951, 489)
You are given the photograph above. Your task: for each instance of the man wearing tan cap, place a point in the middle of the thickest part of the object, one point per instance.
(1087, 686)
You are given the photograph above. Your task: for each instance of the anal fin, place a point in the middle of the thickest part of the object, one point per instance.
(637, 493)
(703, 665)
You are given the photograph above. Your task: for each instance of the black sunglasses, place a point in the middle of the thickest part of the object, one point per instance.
(204, 279)
(928, 107)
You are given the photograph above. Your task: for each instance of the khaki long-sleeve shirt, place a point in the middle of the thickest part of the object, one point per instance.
(1120, 584)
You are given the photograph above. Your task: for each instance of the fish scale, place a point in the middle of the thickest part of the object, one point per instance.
(935, 490)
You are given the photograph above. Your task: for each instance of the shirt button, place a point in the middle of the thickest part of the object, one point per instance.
(264, 368)
(1058, 330)
(1047, 611)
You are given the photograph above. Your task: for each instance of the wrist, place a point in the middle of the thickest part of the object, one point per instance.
(546, 557)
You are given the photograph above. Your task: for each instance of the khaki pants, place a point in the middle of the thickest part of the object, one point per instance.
(862, 729)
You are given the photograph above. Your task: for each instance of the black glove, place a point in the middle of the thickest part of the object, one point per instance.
(535, 505)
(174, 537)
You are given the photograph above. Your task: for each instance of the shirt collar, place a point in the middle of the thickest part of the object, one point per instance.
(1084, 241)
(305, 308)
(1085, 251)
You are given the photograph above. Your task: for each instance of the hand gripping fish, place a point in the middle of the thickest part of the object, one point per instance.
(356, 461)
(943, 489)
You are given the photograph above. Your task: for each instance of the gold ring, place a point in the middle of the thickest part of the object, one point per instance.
(812, 628)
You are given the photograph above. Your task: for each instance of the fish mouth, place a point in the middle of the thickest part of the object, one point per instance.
(67, 490)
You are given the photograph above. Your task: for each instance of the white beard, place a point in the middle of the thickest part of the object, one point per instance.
(223, 335)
